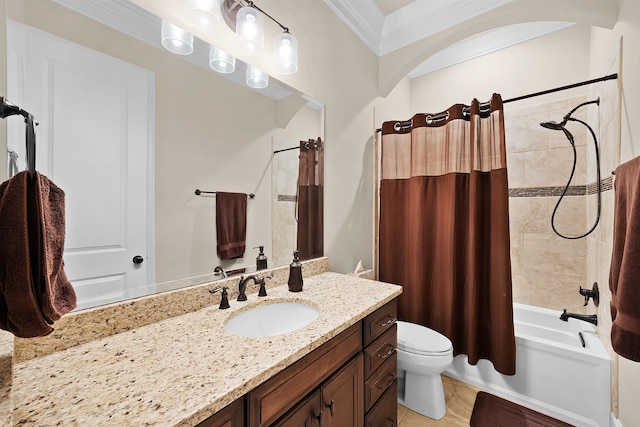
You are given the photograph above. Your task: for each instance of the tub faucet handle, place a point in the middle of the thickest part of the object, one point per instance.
(593, 293)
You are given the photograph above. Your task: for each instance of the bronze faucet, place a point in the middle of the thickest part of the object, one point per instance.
(242, 286)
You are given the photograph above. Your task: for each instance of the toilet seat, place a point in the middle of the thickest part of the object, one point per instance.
(417, 339)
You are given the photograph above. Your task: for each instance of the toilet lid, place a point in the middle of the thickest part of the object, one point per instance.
(418, 339)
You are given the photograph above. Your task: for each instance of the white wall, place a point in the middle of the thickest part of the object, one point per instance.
(554, 60)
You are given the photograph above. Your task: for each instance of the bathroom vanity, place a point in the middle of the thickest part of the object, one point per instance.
(188, 371)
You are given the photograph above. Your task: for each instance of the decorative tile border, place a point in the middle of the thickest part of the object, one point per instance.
(605, 185)
(574, 190)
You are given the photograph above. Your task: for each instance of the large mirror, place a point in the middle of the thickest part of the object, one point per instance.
(129, 131)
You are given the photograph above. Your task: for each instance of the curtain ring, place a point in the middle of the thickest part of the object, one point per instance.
(398, 126)
(437, 118)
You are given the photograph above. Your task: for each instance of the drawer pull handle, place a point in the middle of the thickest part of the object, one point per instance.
(393, 422)
(330, 406)
(388, 384)
(388, 353)
(318, 416)
(389, 321)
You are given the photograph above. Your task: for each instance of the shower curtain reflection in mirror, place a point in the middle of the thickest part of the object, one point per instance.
(444, 228)
(310, 199)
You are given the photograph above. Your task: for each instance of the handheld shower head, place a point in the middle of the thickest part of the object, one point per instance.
(552, 125)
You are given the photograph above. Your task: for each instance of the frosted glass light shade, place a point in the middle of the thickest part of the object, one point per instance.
(175, 39)
(256, 78)
(221, 61)
(286, 53)
(204, 13)
(250, 30)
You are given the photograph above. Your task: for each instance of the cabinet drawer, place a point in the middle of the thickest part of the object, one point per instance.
(385, 413)
(383, 379)
(380, 351)
(274, 397)
(380, 321)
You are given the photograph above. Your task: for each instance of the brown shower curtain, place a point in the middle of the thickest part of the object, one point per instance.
(444, 228)
(310, 199)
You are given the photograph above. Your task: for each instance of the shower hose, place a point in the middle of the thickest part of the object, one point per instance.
(569, 136)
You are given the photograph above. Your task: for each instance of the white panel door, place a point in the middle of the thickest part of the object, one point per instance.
(95, 141)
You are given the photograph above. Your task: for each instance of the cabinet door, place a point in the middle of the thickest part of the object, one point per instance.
(231, 416)
(307, 413)
(276, 396)
(342, 396)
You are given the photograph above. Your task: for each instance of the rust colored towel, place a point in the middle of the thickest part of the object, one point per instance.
(231, 224)
(624, 275)
(34, 290)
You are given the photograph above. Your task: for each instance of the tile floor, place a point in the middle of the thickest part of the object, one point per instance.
(459, 398)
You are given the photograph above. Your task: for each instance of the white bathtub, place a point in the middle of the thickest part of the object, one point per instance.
(555, 374)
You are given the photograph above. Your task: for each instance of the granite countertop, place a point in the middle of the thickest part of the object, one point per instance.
(181, 370)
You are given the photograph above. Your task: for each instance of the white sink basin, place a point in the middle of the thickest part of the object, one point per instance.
(271, 319)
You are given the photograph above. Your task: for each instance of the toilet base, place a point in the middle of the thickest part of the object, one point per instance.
(423, 394)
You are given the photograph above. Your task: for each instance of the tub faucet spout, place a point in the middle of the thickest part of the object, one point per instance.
(591, 318)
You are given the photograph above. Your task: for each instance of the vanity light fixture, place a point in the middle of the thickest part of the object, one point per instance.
(247, 20)
(175, 39)
(256, 78)
(204, 13)
(286, 53)
(250, 29)
(221, 61)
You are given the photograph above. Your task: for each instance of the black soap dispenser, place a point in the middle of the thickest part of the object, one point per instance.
(295, 274)
(261, 259)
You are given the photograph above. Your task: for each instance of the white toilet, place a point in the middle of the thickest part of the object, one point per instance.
(423, 354)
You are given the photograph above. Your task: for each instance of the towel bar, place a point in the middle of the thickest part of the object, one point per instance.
(199, 192)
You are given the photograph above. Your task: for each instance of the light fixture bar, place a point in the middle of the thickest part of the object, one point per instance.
(253, 5)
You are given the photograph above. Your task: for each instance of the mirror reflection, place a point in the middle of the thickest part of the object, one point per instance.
(129, 131)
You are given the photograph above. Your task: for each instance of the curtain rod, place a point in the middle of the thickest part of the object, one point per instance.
(199, 192)
(313, 142)
(286, 149)
(558, 89)
(545, 92)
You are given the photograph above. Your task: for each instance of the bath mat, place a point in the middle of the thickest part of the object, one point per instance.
(492, 411)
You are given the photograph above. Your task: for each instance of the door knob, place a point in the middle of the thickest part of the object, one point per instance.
(138, 259)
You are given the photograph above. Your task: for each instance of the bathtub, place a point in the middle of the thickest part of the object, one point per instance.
(562, 369)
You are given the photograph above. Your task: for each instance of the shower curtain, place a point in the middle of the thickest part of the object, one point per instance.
(444, 228)
(310, 199)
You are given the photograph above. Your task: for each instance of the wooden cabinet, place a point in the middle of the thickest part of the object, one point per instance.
(270, 400)
(307, 413)
(231, 416)
(342, 396)
(349, 381)
(385, 413)
(381, 366)
(336, 403)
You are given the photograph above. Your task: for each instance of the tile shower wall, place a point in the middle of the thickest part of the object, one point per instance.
(547, 270)
(284, 179)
